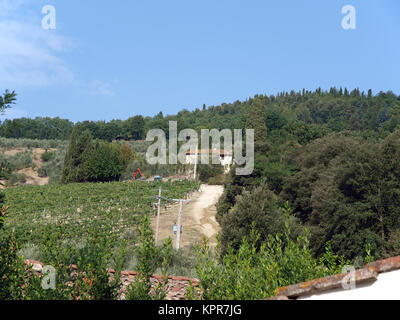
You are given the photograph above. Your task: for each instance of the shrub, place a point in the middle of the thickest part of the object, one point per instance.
(150, 258)
(20, 160)
(254, 272)
(16, 178)
(260, 207)
(206, 172)
(215, 181)
(47, 156)
(42, 172)
(53, 168)
(91, 279)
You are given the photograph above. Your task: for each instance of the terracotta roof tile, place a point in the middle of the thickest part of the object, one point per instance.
(369, 273)
(386, 264)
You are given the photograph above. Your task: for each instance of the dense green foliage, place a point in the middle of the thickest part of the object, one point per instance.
(94, 161)
(306, 115)
(259, 208)
(150, 259)
(103, 162)
(11, 143)
(331, 155)
(73, 169)
(211, 174)
(347, 190)
(38, 128)
(90, 279)
(256, 272)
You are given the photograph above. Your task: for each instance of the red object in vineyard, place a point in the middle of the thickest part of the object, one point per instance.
(136, 172)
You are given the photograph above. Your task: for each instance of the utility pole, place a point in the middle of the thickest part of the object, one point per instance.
(195, 163)
(158, 213)
(181, 201)
(178, 236)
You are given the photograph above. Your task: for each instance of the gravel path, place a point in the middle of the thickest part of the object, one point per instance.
(198, 218)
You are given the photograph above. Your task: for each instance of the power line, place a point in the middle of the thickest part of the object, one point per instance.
(181, 201)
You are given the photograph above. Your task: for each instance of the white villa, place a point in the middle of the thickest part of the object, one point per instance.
(225, 157)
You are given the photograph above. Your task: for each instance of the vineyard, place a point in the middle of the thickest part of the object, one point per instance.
(70, 210)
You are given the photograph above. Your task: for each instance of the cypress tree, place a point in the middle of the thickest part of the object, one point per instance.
(78, 145)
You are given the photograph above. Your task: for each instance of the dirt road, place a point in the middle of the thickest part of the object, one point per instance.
(198, 218)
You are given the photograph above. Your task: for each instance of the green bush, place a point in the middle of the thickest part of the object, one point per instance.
(53, 168)
(91, 279)
(206, 172)
(255, 272)
(260, 207)
(183, 263)
(16, 178)
(47, 156)
(216, 181)
(150, 258)
(20, 160)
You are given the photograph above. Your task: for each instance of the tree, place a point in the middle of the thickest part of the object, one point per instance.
(79, 145)
(126, 154)
(346, 190)
(133, 128)
(102, 162)
(234, 185)
(94, 161)
(356, 199)
(259, 209)
(256, 120)
(6, 100)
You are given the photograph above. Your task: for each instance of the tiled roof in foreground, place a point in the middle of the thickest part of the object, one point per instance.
(363, 277)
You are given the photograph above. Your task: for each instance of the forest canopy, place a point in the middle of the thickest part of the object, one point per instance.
(306, 115)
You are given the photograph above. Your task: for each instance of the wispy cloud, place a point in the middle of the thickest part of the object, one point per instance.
(29, 55)
(101, 88)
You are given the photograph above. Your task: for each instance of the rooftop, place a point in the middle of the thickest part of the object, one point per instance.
(363, 277)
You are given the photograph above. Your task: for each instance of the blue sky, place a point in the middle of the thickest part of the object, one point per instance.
(115, 59)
